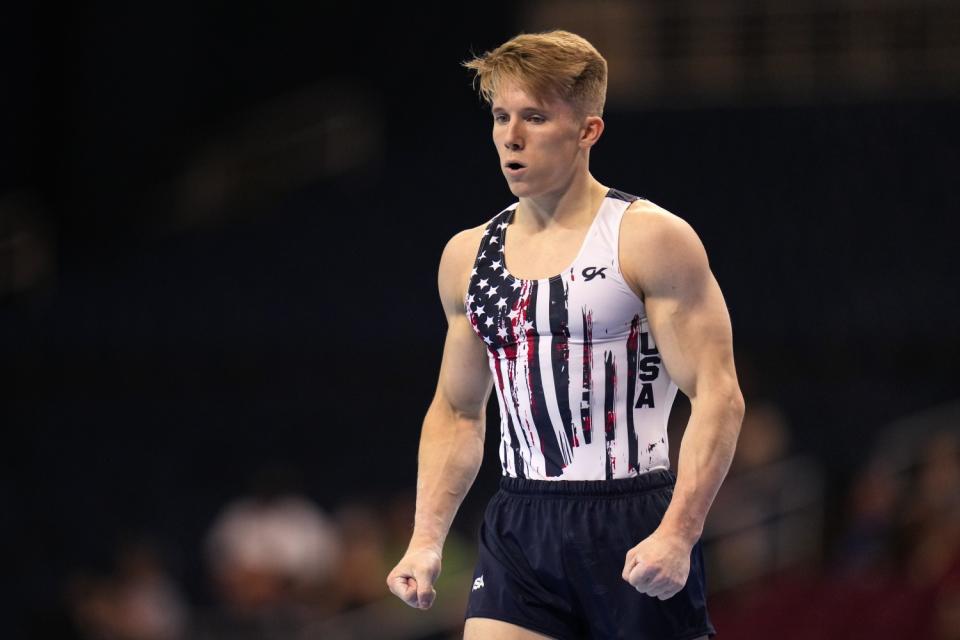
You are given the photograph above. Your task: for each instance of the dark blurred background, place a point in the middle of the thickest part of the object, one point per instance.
(220, 226)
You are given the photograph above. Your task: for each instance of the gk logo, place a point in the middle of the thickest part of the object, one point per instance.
(592, 272)
(478, 583)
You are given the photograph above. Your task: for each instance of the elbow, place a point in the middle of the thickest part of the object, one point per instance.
(725, 400)
(725, 407)
(737, 405)
(735, 409)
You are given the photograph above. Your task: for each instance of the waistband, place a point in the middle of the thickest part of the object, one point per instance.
(650, 481)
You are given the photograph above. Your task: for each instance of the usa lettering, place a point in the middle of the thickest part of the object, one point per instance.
(648, 370)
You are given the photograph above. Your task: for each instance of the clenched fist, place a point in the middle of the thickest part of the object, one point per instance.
(658, 566)
(413, 577)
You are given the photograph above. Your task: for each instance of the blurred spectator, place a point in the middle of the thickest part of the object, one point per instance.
(932, 516)
(138, 602)
(363, 563)
(268, 555)
(872, 590)
(866, 545)
(375, 535)
(767, 514)
(764, 438)
(932, 532)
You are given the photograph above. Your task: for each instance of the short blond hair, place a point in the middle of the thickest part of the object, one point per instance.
(549, 64)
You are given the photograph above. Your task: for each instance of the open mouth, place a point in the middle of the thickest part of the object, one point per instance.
(515, 165)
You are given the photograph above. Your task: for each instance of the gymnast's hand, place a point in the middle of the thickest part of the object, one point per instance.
(413, 577)
(659, 565)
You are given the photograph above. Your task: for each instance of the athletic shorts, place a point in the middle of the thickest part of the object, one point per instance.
(551, 560)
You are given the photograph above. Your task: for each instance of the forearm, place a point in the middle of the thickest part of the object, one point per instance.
(706, 451)
(451, 450)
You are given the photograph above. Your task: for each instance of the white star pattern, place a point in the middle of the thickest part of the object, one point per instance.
(495, 288)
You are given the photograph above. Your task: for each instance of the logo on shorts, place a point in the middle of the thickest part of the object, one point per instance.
(478, 583)
(592, 272)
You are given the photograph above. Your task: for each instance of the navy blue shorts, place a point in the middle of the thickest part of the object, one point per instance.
(552, 554)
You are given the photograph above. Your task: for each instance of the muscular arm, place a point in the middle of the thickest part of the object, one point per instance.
(691, 327)
(451, 440)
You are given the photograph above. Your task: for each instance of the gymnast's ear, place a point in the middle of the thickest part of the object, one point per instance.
(590, 131)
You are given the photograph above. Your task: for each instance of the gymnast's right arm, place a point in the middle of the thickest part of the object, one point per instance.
(451, 441)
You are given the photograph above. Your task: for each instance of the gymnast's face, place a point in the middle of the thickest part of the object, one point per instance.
(541, 144)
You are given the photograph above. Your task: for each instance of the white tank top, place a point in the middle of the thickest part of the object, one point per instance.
(583, 393)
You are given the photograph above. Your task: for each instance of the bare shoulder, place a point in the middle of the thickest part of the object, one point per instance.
(456, 262)
(647, 222)
(658, 245)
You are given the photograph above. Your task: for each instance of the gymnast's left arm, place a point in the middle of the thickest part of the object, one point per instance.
(665, 259)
